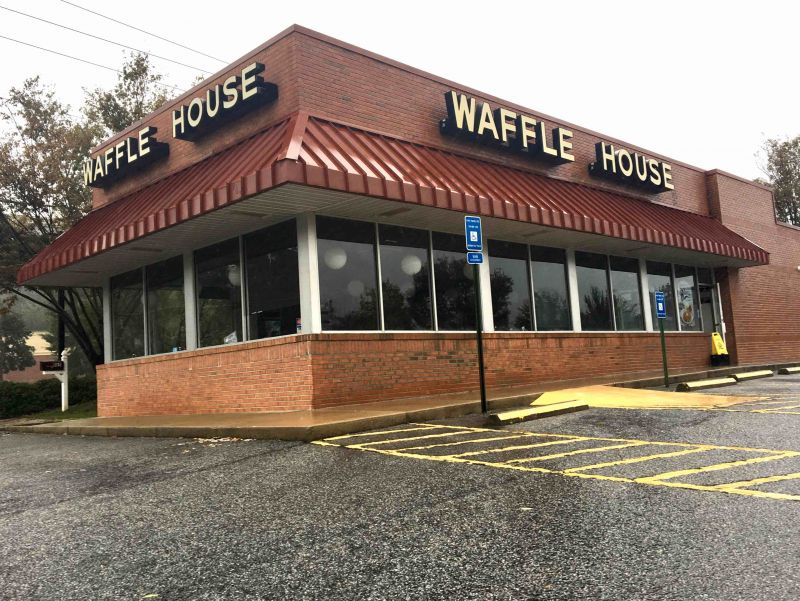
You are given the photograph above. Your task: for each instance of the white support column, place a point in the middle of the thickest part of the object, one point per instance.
(107, 339)
(645, 283)
(190, 300)
(574, 300)
(308, 271)
(484, 273)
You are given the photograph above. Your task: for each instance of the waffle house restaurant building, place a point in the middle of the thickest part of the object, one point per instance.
(289, 235)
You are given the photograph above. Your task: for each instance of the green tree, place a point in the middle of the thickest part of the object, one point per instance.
(781, 165)
(15, 354)
(41, 182)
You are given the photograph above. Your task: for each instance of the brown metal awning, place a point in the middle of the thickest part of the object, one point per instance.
(315, 152)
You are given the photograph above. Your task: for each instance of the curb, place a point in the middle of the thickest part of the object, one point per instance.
(530, 413)
(753, 375)
(703, 384)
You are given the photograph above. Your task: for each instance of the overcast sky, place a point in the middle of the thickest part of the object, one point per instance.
(703, 82)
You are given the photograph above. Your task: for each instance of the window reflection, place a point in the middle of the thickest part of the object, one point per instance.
(405, 275)
(549, 271)
(347, 281)
(592, 271)
(219, 294)
(659, 279)
(627, 295)
(166, 316)
(455, 291)
(688, 303)
(273, 288)
(511, 291)
(127, 315)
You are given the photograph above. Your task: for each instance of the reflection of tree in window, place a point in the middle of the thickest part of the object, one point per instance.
(347, 279)
(127, 315)
(166, 315)
(455, 296)
(219, 293)
(549, 270)
(510, 283)
(627, 295)
(406, 278)
(592, 273)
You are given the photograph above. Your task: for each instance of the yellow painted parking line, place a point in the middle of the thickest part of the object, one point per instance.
(579, 452)
(360, 434)
(699, 449)
(521, 447)
(460, 442)
(757, 481)
(407, 439)
(717, 466)
(780, 408)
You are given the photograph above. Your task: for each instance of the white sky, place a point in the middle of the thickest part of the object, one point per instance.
(703, 82)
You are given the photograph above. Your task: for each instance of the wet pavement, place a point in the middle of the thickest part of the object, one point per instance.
(610, 504)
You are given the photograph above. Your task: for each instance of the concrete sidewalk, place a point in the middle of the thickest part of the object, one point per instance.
(324, 423)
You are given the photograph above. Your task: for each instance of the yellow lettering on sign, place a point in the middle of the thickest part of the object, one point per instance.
(486, 122)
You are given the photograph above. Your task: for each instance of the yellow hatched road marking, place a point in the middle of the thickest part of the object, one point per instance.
(780, 408)
(595, 466)
(757, 481)
(521, 446)
(716, 467)
(664, 479)
(476, 440)
(579, 452)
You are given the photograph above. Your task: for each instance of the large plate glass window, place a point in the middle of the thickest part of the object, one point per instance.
(593, 294)
(708, 305)
(659, 279)
(455, 290)
(688, 301)
(347, 280)
(627, 293)
(550, 291)
(511, 290)
(273, 288)
(405, 275)
(127, 315)
(166, 316)
(219, 294)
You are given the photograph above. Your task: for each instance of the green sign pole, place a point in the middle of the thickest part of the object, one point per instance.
(479, 336)
(664, 352)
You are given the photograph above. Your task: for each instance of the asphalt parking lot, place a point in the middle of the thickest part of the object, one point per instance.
(603, 504)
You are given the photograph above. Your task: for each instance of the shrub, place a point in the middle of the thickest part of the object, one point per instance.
(18, 398)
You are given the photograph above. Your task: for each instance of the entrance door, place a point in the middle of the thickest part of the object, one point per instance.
(709, 310)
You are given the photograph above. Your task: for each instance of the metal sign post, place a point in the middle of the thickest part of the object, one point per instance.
(474, 240)
(60, 369)
(661, 314)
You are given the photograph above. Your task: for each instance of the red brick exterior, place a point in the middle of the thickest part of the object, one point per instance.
(325, 370)
(333, 80)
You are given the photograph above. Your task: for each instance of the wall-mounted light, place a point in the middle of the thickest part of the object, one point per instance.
(234, 276)
(335, 258)
(411, 264)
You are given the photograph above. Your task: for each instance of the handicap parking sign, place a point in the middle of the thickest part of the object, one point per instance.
(661, 305)
(472, 232)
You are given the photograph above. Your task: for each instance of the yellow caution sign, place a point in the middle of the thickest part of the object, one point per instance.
(718, 345)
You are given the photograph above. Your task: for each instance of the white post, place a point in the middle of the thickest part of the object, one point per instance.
(107, 339)
(308, 272)
(64, 377)
(648, 315)
(189, 301)
(574, 300)
(484, 273)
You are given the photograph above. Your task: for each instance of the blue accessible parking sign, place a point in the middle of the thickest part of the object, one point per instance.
(661, 305)
(472, 231)
(474, 258)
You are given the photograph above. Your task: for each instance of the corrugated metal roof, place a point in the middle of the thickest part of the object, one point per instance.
(320, 153)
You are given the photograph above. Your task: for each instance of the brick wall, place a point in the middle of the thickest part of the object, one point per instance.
(326, 370)
(335, 80)
(762, 302)
(266, 375)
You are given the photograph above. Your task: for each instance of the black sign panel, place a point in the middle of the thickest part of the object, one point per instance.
(51, 365)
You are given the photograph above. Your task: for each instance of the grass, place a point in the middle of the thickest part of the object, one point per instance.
(79, 411)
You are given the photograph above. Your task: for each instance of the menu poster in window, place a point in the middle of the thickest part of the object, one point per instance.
(686, 306)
